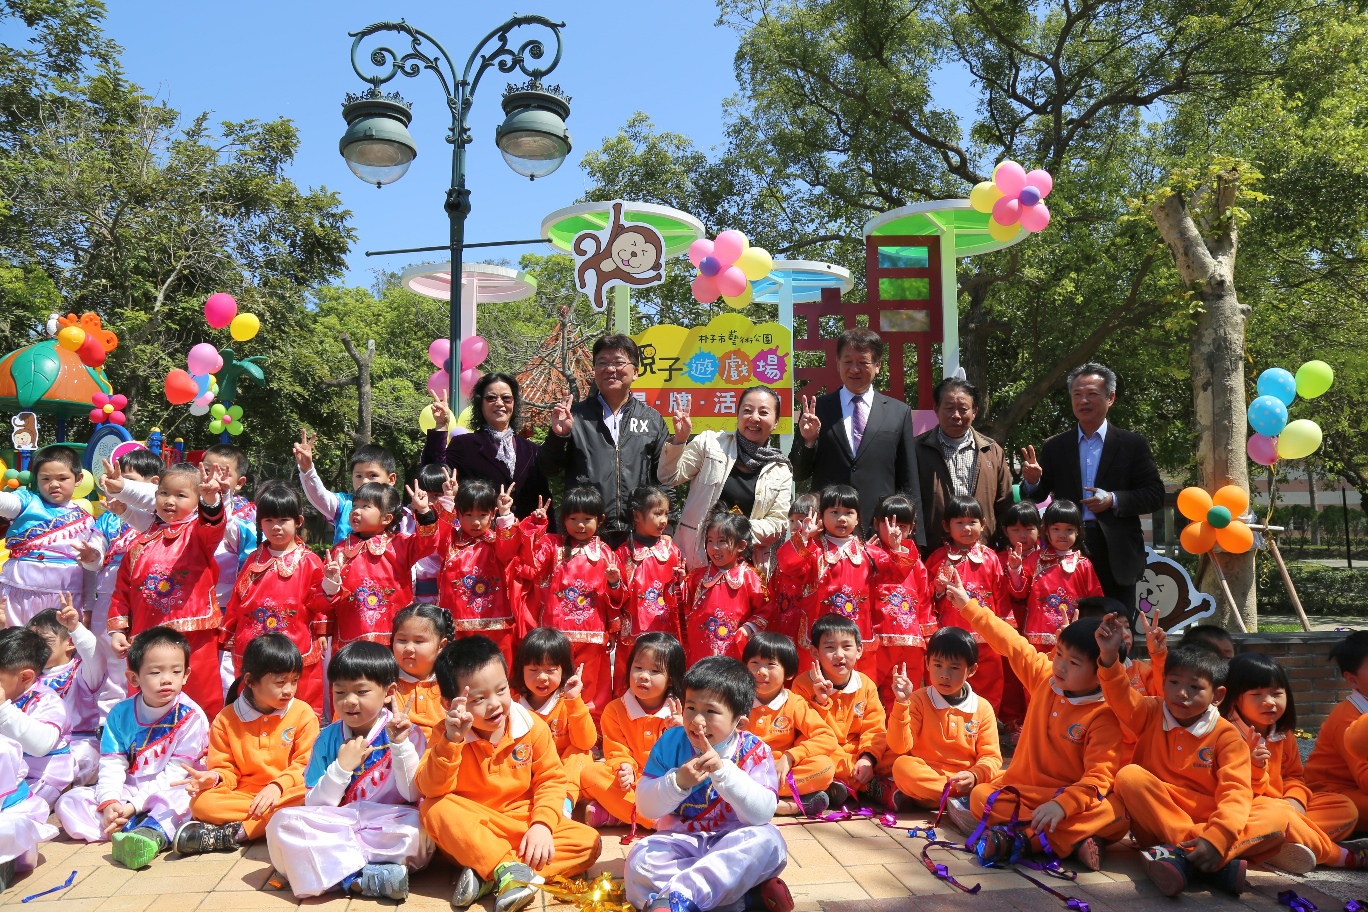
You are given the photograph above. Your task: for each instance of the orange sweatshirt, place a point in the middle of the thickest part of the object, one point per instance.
(629, 732)
(1331, 766)
(1356, 739)
(949, 738)
(789, 724)
(1205, 765)
(1068, 743)
(424, 702)
(1282, 776)
(571, 725)
(854, 713)
(520, 777)
(250, 750)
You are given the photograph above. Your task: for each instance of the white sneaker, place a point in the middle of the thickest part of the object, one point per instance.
(1294, 858)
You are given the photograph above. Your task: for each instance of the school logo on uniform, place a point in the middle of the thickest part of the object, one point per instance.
(971, 727)
(1076, 732)
(522, 754)
(858, 708)
(287, 736)
(1206, 757)
(782, 723)
(556, 726)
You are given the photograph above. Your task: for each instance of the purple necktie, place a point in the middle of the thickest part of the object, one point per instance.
(857, 424)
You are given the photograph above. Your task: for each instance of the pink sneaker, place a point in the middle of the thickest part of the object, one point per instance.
(596, 817)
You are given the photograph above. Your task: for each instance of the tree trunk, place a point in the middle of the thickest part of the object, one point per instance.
(1311, 495)
(362, 382)
(1204, 255)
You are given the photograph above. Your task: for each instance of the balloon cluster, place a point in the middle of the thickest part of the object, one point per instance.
(10, 479)
(1275, 437)
(1014, 197)
(1215, 520)
(726, 267)
(221, 311)
(108, 408)
(474, 350)
(196, 384)
(87, 338)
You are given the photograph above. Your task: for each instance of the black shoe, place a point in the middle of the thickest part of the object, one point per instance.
(837, 795)
(6, 875)
(1230, 878)
(1168, 867)
(198, 838)
(815, 805)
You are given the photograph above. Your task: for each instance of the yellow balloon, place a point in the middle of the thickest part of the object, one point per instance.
(1299, 439)
(739, 301)
(984, 194)
(425, 420)
(84, 486)
(71, 338)
(756, 263)
(1002, 233)
(244, 327)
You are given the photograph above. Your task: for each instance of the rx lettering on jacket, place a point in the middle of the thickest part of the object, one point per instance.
(637, 425)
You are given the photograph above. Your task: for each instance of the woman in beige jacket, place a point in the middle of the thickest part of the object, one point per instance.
(737, 472)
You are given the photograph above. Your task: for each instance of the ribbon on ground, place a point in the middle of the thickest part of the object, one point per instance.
(598, 894)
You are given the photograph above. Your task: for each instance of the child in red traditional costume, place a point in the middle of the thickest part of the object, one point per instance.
(473, 553)
(1054, 577)
(280, 590)
(369, 576)
(725, 602)
(576, 586)
(168, 576)
(983, 579)
(789, 596)
(902, 606)
(1020, 525)
(654, 569)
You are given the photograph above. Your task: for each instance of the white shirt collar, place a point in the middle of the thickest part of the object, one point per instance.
(636, 711)
(777, 703)
(410, 679)
(968, 705)
(519, 723)
(1359, 700)
(1101, 433)
(851, 686)
(1078, 701)
(546, 710)
(847, 397)
(1199, 729)
(249, 713)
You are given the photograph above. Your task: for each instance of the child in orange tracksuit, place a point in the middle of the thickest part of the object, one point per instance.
(550, 686)
(800, 739)
(1332, 767)
(848, 701)
(421, 632)
(1259, 701)
(631, 726)
(900, 594)
(493, 788)
(654, 570)
(259, 746)
(1188, 793)
(945, 735)
(1066, 760)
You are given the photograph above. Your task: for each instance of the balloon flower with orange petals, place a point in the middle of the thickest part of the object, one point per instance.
(1214, 520)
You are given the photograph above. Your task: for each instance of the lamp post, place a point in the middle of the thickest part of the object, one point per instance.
(533, 138)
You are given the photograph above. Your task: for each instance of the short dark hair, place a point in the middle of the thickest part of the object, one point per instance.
(1099, 606)
(861, 339)
(1351, 652)
(57, 453)
(383, 496)
(372, 452)
(463, 658)
(277, 500)
(582, 499)
(228, 451)
(1093, 369)
(897, 507)
(157, 636)
(1021, 513)
(22, 648)
(668, 652)
(431, 478)
(957, 385)
(477, 419)
(46, 620)
(1081, 636)
(805, 504)
(953, 643)
(1254, 671)
(141, 461)
(542, 646)
(1063, 511)
(362, 660)
(839, 495)
(832, 624)
(267, 654)
(438, 617)
(1206, 636)
(617, 342)
(961, 506)
(1200, 660)
(775, 647)
(476, 494)
(725, 678)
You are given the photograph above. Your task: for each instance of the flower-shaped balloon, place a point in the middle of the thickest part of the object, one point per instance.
(226, 419)
(1013, 197)
(108, 408)
(1215, 520)
(726, 267)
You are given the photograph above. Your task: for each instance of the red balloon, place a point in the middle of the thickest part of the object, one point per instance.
(100, 400)
(180, 387)
(118, 417)
(96, 416)
(119, 401)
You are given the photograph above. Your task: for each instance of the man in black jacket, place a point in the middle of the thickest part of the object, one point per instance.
(612, 441)
(858, 436)
(1109, 472)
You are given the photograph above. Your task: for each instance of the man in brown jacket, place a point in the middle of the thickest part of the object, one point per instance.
(955, 459)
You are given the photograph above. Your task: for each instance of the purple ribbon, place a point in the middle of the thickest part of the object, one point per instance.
(1354, 905)
(941, 872)
(1074, 903)
(1296, 903)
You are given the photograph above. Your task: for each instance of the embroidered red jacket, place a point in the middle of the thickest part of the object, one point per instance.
(377, 582)
(982, 577)
(901, 593)
(570, 593)
(723, 609)
(1052, 582)
(1018, 602)
(655, 582)
(839, 577)
(471, 583)
(790, 599)
(167, 578)
(278, 595)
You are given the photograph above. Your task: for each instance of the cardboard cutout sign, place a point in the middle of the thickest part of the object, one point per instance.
(24, 433)
(1166, 586)
(623, 253)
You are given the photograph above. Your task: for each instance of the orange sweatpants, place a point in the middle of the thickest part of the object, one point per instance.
(1156, 819)
(574, 764)
(815, 774)
(599, 781)
(920, 781)
(221, 805)
(1106, 820)
(483, 838)
(1328, 819)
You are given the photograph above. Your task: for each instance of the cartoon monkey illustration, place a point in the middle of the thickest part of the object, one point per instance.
(24, 435)
(1167, 587)
(629, 255)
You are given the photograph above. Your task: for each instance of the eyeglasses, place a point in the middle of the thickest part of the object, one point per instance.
(612, 365)
(491, 399)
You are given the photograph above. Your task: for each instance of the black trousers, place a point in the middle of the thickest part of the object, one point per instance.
(1095, 546)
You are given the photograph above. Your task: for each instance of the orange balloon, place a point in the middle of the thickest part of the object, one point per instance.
(1198, 537)
(1234, 498)
(1194, 504)
(1237, 538)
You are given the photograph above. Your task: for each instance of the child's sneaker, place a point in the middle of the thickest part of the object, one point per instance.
(136, 848)
(670, 902)
(1230, 878)
(837, 795)
(198, 838)
(390, 881)
(771, 896)
(595, 815)
(961, 818)
(816, 804)
(1356, 854)
(469, 887)
(515, 881)
(1168, 868)
(1294, 858)
(883, 791)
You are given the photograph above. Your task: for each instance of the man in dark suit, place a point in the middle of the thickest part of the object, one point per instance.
(1109, 472)
(857, 436)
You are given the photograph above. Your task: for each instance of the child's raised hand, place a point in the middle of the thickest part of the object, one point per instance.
(902, 684)
(1259, 753)
(538, 847)
(676, 712)
(1156, 637)
(67, 615)
(458, 718)
(626, 777)
(303, 451)
(332, 568)
(891, 533)
(504, 505)
(822, 689)
(1014, 559)
(613, 575)
(196, 780)
(441, 408)
(572, 688)
(1047, 817)
(265, 800)
(86, 553)
(1111, 639)
(863, 771)
(351, 753)
(399, 724)
(113, 480)
(118, 642)
(418, 498)
(962, 783)
(955, 591)
(451, 484)
(543, 506)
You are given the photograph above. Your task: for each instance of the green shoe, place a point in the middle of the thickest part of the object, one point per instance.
(515, 881)
(135, 850)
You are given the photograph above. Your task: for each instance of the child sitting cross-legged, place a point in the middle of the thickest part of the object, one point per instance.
(550, 686)
(1187, 793)
(1339, 762)
(711, 787)
(32, 713)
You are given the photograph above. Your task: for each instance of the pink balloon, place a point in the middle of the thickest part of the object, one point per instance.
(469, 377)
(439, 351)
(1262, 450)
(705, 289)
(439, 381)
(700, 249)
(1010, 178)
(729, 246)
(474, 350)
(204, 359)
(118, 417)
(220, 309)
(100, 400)
(731, 281)
(1035, 218)
(119, 401)
(1007, 211)
(1041, 180)
(97, 415)
(203, 400)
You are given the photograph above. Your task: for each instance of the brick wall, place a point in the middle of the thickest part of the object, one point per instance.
(1316, 682)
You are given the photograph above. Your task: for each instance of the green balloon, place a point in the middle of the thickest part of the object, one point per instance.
(11, 475)
(1314, 378)
(216, 427)
(235, 428)
(1218, 517)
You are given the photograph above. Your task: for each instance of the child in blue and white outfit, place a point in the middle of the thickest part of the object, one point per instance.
(75, 672)
(32, 714)
(368, 463)
(711, 787)
(23, 815)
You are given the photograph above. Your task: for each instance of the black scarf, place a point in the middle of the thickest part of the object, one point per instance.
(751, 456)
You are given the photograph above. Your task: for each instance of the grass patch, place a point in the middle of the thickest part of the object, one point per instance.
(1280, 628)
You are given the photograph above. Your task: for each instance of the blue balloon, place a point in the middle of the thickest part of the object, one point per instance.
(1268, 415)
(1279, 384)
(710, 266)
(201, 383)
